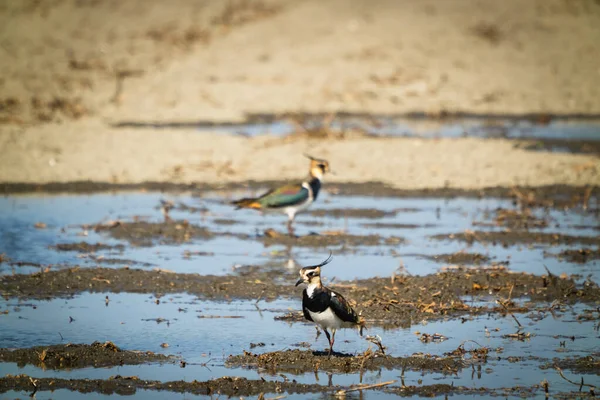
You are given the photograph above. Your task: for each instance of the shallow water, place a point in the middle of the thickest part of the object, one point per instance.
(130, 320)
(493, 127)
(205, 343)
(223, 254)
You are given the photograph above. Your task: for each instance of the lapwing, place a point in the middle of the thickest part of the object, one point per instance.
(291, 198)
(324, 306)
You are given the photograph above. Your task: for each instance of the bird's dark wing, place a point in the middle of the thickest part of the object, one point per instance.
(304, 309)
(342, 309)
(284, 196)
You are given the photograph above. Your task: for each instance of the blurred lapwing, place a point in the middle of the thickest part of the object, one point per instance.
(291, 198)
(324, 306)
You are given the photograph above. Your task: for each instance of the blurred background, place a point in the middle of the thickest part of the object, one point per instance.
(187, 60)
(84, 82)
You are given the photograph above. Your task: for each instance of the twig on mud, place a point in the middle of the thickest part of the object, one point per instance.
(510, 292)
(551, 276)
(586, 197)
(342, 393)
(101, 280)
(262, 397)
(367, 355)
(510, 312)
(377, 341)
(259, 297)
(581, 384)
(35, 387)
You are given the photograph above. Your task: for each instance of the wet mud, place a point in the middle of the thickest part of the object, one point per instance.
(70, 356)
(121, 261)
(369, 213)
(326, 239)
(391, 225)
(516, 219)
(563, 146)
(301, 361)
(233, 386)
(580, 365)
(559, 196)
(456, 293)
(445, 389)
(148, 233)
(84, 247)
(129, 385)
(76, 280)
(177, 232)
(511, 238)
(461, 258)
(395, 301)
(581, 256)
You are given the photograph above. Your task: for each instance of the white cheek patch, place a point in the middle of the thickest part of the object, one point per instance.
(310, 290)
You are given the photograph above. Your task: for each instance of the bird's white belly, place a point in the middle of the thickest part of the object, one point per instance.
(327, 319)
(293, 210)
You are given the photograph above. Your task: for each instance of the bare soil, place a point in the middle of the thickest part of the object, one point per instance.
(72, 356)
(147, 233)
(301, 361)
(383, 301)
(511, 238)
(84, 247)
(583, 365)
(581, 255)
(233, 386)
(352, 213)
(555, 196)
(84, 84)
(462, 258)
(128, 385)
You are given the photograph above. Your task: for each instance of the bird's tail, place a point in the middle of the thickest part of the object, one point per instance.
(246, 203)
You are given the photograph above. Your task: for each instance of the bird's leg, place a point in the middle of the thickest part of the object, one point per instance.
(329, 340)
(290, 227)
(332, 341)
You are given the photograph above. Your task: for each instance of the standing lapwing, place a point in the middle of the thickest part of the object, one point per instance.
(324, 306)
(291, 198)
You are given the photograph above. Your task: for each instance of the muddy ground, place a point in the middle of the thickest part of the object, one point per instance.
(581, 255)
(128, 385)
(462, 258)
(559, 196)
(300, 361)
(395, 301)
(230, 386)
(71, 356)
(84, 247)
(510, 238)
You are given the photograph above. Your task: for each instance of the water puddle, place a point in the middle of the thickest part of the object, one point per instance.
(71, 395)
(408, 126)
(378, 237)
(204, 334)
(403, 227)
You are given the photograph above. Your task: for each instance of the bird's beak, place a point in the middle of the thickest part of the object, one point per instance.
(299, 281)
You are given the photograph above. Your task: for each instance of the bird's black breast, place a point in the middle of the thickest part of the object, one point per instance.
(315, 186)
(318, 303)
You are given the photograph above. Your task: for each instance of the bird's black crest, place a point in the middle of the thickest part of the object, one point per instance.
(322, 263)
